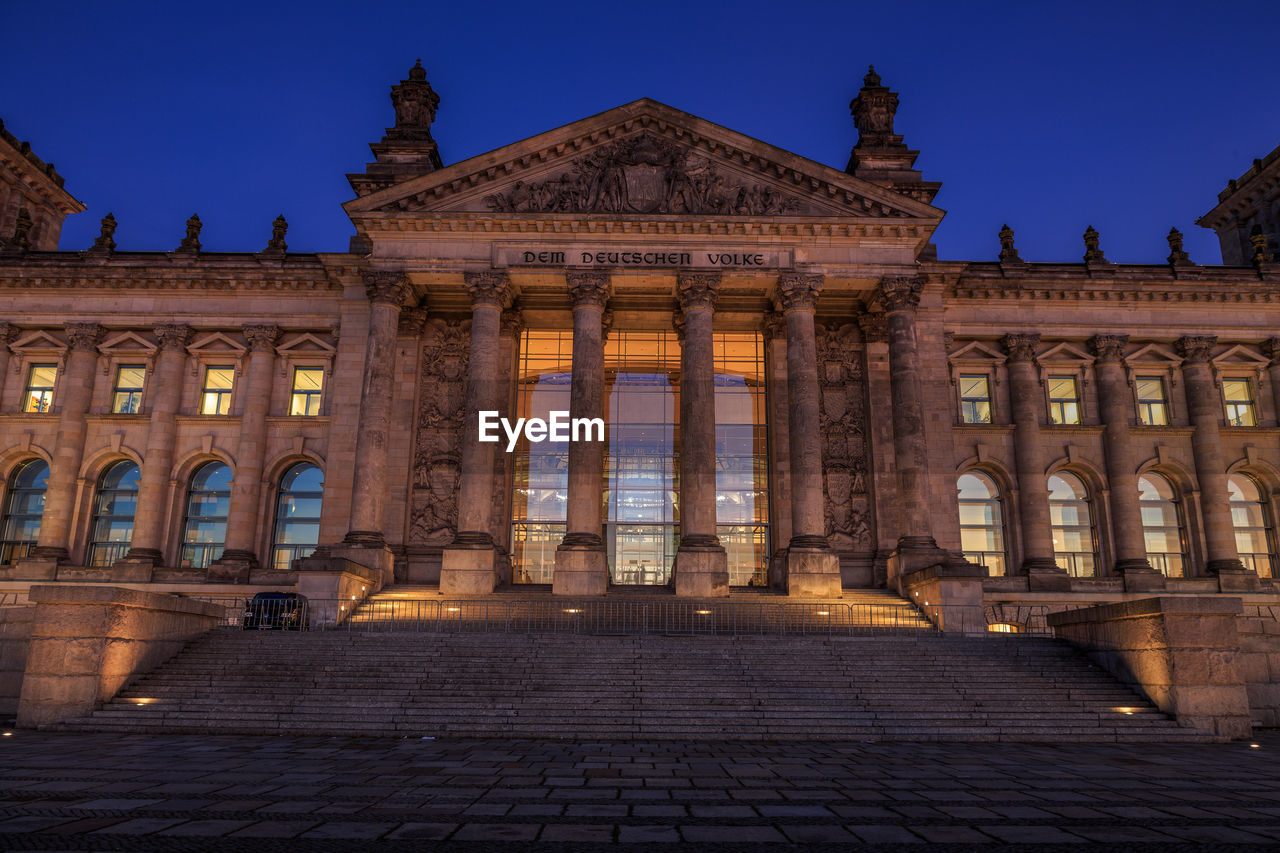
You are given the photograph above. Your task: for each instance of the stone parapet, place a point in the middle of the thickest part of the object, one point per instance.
(1182, 652)
(15, 637)
(950, 596)
(87, 641)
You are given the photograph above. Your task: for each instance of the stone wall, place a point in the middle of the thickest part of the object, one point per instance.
(15, 636)
(1259, 627)
(88, 641)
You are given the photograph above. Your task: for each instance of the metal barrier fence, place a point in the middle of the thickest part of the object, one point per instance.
(669, 618)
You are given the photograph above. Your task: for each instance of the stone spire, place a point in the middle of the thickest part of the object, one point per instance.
(191, 242)
(880, 155)
(276, 245)
(1178, 257)
(106, 239)
(1008, 252)
(408, 149)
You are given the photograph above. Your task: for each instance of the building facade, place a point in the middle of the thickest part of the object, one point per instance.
(798, 394)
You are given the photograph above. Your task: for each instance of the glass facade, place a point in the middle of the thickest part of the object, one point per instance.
(640, 492)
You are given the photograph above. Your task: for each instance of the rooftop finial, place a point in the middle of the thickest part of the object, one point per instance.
(873, 111)
(1178, 257)
(1258, 242)
(417, 73)
(22, 230)
(191, 242)
(1008, 254)
(1092, 254)
(415, 102)
(872, 78)
(277, 245)
(105, 241)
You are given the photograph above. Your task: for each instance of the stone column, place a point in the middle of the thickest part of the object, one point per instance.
(469, 565)
(813, 569)
(1271, 346)
(147, 546)
(702, 567)
(1204, 404)
(503, 469)
(581, 566)
(8, 332)
(387, 292)
(239, 556)
(76, 391)
(917, 549)
(775, 343)
(1116, 403)
(1038, 561)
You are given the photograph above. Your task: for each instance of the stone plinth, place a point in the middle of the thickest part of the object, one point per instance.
(812, 574)
(580, 571)
(950, 596)
(468, 571)
(334, 586)
(87, 641)
(702, 573)
(1182, 652)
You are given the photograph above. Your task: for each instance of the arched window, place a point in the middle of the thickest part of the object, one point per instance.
(981, 522)
(1162, 526)
(23, 509)
(297, 514)
(205, 530)
(1255, 535)
(1072, 521)
(113, 510)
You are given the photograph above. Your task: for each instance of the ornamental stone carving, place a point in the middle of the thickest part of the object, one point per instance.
(84, 336)
(677, 323)
(386, 287)
(276, 245)
(1092, 254)
(105, 241)
(775, 326)
(512, 323)
(1196, 349)
(901, 293)
(173, 337)
(1021, 346)
(843, 423)
(643, 174)
(799, 292)
(191, 242)
(1271, 346)
(697, 290)
(493, 288)
(411, 322)
(415, 103)
(874, 326)
(589, 288)
(8, 332)
(262, 338)
(1178, 257)
(1008, 252)
(1109, 348)
(873, 112)
(438, 433)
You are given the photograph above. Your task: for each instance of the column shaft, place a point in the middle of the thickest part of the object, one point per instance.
(901, 296)
(1033, 488)
(779, 445)
(68, 452)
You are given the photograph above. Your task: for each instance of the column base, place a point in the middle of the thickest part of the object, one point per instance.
(469, 566)
(1218, 566)
(580, 571)
(1139, 576)
(47, 552)
(374, 557)
(701, 572)
(30, 569)
(1046, 576)
(364, 539)
(234, 566)
(134, 569)
(1238, 581)
(917, 552)
(812, 573)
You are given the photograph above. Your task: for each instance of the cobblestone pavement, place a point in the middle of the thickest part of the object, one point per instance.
(180, 792)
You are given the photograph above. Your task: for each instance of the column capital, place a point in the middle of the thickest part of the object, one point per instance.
(589, 288)
(874, 326)
(1109, 348)
(173, 336)
(1021, 346)
(387, 287)
(1195, 349)
(901, 293)
(697, 290)
(262, 338)
(512, 323)
(84, 336)
(799, 291)
(775, 326)
(1271, 346)
(488, 288)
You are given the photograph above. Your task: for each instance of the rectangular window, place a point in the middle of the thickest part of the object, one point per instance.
(40, 379)
(1153, 404)
(308, 383)
(975, 399)
(216, 396)
(127, 399)
(1064, 400)
(1239, 399)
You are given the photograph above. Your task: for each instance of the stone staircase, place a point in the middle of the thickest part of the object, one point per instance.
(925, 687)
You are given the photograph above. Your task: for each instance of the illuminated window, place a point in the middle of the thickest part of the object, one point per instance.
(23, 509)
(975, 399)
(981, 522)
(1064, 400)
(205, 528)
(1153, 403)
(742, 491)
(297, 515)
(216, 394)
(1071, 520)
(1238, 395)
(308, 384)
(113, 510)
(39, 396)
(1255, 535)
(1162, 526)
(127, 399)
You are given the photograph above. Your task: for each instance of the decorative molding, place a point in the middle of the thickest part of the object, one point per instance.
(799, 292)
(173, 336)
(901, 293)
(1196, 349)
(489, 288)
(697, 290)
(1109, 348)
(775, 326)
(262, 338)
(386, 287)
(84, 336)
(1021, 346)
(589, 288)
(875, 326)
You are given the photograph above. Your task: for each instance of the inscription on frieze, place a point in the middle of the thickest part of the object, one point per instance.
(641, 257)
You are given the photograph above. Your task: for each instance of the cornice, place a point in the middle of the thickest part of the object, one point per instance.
(1118, 283)
(157, 271)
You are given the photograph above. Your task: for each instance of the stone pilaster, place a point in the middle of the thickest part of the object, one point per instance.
(76, 391)
(239, 556)
(1204, 405)
(1116, 403)
(1271, 346)
(813, 570)
(581, 566)
(775, 347)
(147, 547)
(702, 567)
(1038, 561)
(8, 332)
(469, 565)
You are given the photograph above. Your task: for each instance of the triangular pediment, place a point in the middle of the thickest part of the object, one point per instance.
(216, 342)
(977, 351)
(1241, 355)
(127, 341)
(37, 339)
(305, 342)
(1153, 352)
(644, 159)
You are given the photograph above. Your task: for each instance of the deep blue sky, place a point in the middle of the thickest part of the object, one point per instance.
(1127, 115)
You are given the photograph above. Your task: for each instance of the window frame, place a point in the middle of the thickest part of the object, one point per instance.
(1000, 526)
(111, 550)
(318, 394)
(1143, 402)
(1077, 400)
(10, 547)
(28, 387)
(1268, 525)
(1090, 505)
(203, 390)
(964, 401)
(278, 523)
(188, 493)
(1250, 404)
(1180, 519)
(139, 391)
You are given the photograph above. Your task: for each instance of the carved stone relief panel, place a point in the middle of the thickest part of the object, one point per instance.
(846, 475)
(437, 459)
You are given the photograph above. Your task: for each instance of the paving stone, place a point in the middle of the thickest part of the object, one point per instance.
(139, 826)
(736, 834)
(422, 831)
(884, 834)
(571, 832)
(274, 829)
(206, 827)
(349, 829)
(639, 834)
(497, 832)
(818, 834)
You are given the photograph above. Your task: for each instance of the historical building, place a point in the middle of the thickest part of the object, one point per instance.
(797, 392)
